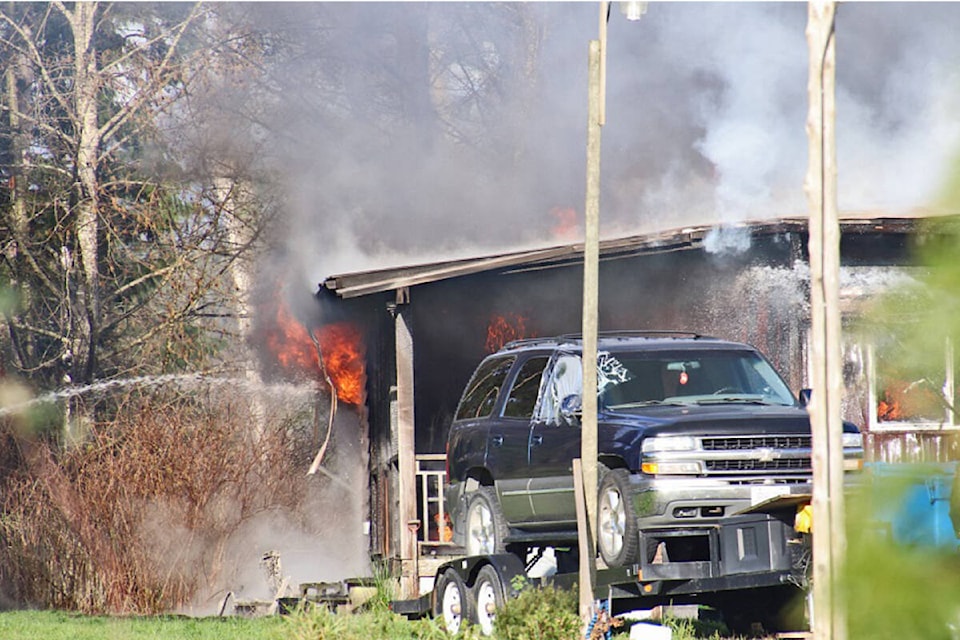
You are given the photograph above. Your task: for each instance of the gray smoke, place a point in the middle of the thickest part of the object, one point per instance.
(388, 158)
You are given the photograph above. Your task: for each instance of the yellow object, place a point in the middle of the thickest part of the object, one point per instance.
(804, 520)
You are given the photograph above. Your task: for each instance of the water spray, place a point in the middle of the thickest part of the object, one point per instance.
(149, 381)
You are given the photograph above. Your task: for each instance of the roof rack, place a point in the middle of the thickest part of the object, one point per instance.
(522, 342)
(641, 333)
(576, 337)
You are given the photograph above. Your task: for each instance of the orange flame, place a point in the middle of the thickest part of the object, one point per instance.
(503, 329)
(889, 411)
(342, 347)
(343, 353)
(566, 226)
(903, 401)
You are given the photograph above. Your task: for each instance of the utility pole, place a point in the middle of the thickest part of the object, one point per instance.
(591, 279)
(829, 543)
(596, 117)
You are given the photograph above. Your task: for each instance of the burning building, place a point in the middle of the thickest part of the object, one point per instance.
(426, 326)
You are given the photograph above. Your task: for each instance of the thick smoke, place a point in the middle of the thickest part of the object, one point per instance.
(410, 132)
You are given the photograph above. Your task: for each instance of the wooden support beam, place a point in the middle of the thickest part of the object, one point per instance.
(406, 517)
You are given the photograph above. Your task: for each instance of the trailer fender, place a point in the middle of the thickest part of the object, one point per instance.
(508, 568)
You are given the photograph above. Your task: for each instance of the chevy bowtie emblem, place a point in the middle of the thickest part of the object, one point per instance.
(767, 455)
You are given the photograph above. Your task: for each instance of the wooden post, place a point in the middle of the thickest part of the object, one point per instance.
(406, 465)
(829, 542)
(591, 269)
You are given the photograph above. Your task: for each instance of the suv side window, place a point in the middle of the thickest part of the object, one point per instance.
(481, 394)
(526, 388)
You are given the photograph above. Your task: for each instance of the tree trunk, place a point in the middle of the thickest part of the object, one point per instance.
(85, 321)
(87, 206)
(17, 247)
(233, 199)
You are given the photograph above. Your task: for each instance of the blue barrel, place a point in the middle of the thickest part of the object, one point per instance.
(919, 515)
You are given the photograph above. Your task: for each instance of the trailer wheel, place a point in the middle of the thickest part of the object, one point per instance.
(454, 602)
(489, 598)
(485, 525)
(617, 531)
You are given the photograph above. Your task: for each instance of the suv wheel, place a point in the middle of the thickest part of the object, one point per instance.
(617, 532)
(485, 525)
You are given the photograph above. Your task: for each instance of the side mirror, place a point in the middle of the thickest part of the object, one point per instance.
(805, 395)
(571, 408)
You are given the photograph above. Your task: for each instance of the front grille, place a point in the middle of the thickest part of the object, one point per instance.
(739, 466)
(740, 443)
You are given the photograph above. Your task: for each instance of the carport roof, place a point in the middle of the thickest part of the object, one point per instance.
(361, 283)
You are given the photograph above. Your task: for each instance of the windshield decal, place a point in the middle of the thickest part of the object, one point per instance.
(610, 371)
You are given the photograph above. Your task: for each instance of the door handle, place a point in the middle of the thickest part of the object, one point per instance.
(496, 441)
(536, 441)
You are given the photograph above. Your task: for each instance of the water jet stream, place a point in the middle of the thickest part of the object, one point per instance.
(182, 379)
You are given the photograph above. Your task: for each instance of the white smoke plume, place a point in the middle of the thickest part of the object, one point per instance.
(706, 109)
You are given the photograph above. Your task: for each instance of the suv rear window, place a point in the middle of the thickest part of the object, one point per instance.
(481, 394)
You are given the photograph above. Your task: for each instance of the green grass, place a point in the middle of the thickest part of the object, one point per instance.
(58, 625)
(543, 617)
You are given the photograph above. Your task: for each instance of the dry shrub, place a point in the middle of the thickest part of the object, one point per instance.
(135, 519)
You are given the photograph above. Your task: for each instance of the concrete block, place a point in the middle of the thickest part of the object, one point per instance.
(646, 631)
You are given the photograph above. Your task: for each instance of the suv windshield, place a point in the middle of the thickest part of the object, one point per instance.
(687, 377)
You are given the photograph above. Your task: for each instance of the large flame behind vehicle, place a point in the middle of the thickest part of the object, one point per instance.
(341, 345)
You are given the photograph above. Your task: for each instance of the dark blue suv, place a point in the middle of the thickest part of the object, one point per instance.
(690, 429)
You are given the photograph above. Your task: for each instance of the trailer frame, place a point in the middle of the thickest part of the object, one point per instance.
(757, 552)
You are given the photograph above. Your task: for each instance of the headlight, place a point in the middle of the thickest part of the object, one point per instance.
(852, 441)
(669, 443)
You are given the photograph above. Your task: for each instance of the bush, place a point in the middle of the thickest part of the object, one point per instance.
(539, 614)
(378, 623)
(136, 517)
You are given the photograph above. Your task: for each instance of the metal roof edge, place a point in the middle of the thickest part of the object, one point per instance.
(361, 283)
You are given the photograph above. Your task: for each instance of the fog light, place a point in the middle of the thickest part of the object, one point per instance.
(711, 512)
(853, 464)
(685, 512)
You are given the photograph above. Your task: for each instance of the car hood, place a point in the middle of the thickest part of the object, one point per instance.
(714, 419)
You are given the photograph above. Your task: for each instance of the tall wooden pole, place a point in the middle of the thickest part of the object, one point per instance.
(591, 282)
(591, 253)
(829, 544)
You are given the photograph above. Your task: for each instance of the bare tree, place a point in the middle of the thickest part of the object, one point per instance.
(116, 253)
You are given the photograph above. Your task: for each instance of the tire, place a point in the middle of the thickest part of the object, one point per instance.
(454, 604)
(489, 597)
(618, 537)
(484, 526)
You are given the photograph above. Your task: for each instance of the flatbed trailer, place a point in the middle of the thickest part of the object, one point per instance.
(749, 566)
